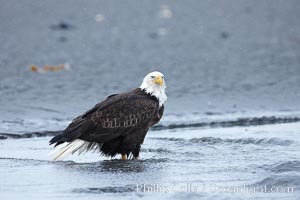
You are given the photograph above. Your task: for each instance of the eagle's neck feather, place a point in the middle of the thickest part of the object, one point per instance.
(155, 90)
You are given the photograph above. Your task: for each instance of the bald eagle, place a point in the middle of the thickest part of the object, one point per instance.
(118, 124)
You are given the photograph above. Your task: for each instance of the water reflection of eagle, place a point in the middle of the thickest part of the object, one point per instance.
(117, 125)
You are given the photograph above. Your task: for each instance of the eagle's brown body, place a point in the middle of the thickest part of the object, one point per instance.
(117, 125)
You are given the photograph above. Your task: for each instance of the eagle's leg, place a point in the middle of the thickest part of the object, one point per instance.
(136, 152)
(124, 157)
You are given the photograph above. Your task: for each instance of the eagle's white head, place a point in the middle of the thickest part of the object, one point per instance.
(154, 84)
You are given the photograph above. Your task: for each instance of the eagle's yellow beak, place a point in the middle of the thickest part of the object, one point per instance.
(158, 80)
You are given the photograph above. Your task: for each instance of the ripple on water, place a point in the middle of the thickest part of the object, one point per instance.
(246, 121)
(118, 166)
(100, 190)
(282, 182)
(285, 166)
(216, 141)
(158, 150)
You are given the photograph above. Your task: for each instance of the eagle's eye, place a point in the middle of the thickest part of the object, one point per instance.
(162, 77)
(152, 76)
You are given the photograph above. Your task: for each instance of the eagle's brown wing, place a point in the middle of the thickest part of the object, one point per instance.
(116, 116)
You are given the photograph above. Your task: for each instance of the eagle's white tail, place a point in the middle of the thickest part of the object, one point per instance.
(69, 148)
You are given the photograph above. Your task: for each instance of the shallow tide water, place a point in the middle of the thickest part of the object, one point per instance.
(233, 162)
